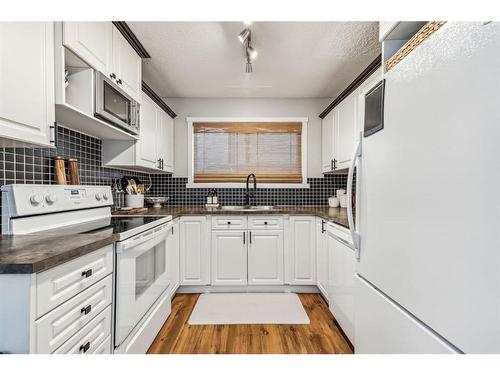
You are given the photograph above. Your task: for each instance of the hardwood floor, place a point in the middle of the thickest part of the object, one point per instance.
(321, 336)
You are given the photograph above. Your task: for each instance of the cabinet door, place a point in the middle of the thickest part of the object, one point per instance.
(229, 258)
(164, 141)
(341, 282)
(302, 250)
(328, 152)
(168, 159)
(194, 251)
(126, 66)
(321, 257)
(172, 261)
(345, 131)
(146, 145)
(27, 81)
(265, 257)
(92, 41)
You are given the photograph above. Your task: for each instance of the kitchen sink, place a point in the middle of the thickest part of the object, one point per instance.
(247, 208)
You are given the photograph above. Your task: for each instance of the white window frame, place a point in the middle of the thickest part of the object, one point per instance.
(192, 184)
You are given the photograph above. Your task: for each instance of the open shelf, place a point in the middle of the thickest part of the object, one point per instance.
(73, 118)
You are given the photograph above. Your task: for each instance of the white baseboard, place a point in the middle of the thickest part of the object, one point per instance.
(249, 289)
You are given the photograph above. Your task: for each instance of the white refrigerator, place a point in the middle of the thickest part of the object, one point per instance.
(428, 211)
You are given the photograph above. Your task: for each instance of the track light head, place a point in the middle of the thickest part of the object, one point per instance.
(248, 67)
(244, 35)
(251, 53)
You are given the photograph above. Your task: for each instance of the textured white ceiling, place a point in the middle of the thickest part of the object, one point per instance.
(295, 59)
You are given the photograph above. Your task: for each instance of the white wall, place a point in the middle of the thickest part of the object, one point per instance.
(310, 108)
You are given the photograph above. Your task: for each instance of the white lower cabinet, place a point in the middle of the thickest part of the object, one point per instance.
(301, 250)
(265, 257)
(173, 263)
(321, 257)
(341, 279)
(229, 258)
(194, 250)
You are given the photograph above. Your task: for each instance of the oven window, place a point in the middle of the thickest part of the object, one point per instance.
(148, 267)
(116, 104)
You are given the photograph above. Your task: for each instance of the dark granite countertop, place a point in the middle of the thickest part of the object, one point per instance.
(40, 252)
(32, 253)
(335, 215)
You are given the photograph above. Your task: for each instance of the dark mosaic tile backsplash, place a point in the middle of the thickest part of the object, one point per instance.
(317, 194)
(36, 166)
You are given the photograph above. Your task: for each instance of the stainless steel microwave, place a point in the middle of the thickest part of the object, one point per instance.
(115, 106)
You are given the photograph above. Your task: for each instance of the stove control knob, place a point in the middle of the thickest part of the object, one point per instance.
(36, 199)
(98, 196)
(51, 198)
(105, 196)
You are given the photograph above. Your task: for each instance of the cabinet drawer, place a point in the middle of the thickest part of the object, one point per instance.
(265, 222)
(229, 222)
(89, 339)
(55, 328)
(59, 284)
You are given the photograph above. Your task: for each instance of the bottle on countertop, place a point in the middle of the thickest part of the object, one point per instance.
(215, 198)
(209, 197)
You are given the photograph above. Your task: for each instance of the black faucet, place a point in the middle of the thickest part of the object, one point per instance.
(247, 193)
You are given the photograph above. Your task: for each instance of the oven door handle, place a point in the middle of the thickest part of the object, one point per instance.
(157, 234)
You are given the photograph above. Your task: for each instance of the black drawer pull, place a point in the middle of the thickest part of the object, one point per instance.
(228, 223)
(265, 222)
(86, 310)
(85, 347)
(87, 273)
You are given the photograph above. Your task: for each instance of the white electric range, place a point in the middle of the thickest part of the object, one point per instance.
(141, 277)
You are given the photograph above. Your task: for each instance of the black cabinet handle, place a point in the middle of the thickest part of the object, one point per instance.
(87, 273)
(334, 164)
(159, 163)
(250, 237)
(85, 347)
(228, 223)
(86, 310)
(243, 238)
(112, 75)
(331, 164)
(322, 226)
(119, 81)
(265, 222)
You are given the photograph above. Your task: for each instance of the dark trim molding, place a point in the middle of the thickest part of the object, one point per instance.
(374, 65)
(132, 39)
(154, 96)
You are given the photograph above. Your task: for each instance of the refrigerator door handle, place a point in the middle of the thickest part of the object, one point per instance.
(354, 234)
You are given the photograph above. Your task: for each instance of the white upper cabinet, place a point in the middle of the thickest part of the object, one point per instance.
(165, 141)
(26, 83)
(92, 41)
(194, 251)
(345, 131)
(148, 138)
(265, 257)
(229, 258)
(103, 47)
(301, 250)
(126, 66)
(328, 144)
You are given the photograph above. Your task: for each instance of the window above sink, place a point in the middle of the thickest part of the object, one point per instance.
(223, 151)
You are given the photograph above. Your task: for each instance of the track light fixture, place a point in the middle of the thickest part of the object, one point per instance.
(245, 37)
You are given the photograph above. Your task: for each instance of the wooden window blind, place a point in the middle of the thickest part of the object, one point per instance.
(229, 151)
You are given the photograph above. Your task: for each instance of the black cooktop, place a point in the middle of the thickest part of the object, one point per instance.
(111, 225)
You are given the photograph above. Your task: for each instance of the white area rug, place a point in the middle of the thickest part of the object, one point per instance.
(248, 308)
